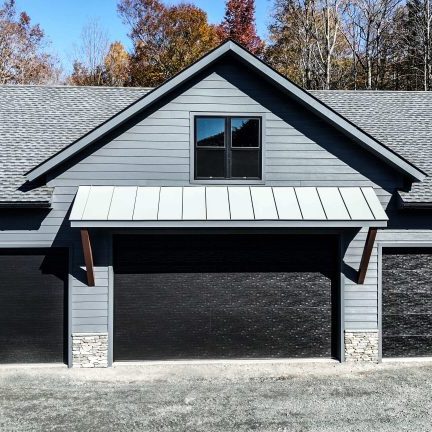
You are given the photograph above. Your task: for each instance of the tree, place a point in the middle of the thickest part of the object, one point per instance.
(371, 24)
(291, 47)
(117, 65)
(418, 27)
(88, 65)
(306, 34)
(239, 24)
(23, 59)
(166, 39)
(326, 22)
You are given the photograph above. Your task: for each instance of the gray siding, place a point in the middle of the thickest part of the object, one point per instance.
(300, 150)
(31, 228)
(361, 301)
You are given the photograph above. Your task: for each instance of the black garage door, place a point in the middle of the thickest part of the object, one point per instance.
(222, 296)
(33, 285)
(407, 302)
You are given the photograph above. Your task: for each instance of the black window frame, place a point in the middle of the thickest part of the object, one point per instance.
(228, 148)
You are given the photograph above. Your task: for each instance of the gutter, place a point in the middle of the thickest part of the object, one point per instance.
(416, 205)
(25, 204)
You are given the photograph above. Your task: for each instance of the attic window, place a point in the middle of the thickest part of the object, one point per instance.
(227, 148)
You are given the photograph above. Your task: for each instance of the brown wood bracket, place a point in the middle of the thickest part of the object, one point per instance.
(367, 252)
(88, 257)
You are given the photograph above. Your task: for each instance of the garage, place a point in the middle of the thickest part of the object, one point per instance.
(407, 302)
(196, 296)
(33, 301)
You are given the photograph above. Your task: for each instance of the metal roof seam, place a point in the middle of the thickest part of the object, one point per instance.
(298, 203)
(367, 202)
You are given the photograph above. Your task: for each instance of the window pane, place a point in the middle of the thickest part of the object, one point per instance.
(246, 163)
(210, 163)
(245, 132)
(210, 132)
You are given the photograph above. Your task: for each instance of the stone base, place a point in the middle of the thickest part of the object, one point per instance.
(361, 346)
(90, 350)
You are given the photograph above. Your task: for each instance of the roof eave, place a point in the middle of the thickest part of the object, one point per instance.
(415, 205)
(297, 92)
(228, 224)
(25, 204)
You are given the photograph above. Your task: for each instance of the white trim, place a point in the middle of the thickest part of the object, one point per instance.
(224, 361)
(227, 224)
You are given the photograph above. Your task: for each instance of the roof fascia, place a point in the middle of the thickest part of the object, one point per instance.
(229, 224)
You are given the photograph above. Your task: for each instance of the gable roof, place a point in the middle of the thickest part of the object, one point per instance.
(39, 121)
(230, 47)
(402, 120)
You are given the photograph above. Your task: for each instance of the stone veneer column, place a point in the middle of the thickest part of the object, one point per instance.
(361, 345)
(90, 350)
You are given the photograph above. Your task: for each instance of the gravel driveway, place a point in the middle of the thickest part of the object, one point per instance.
(219, 397)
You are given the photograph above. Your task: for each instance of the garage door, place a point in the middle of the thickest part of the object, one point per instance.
(407, 302)
(32, 305)
(222, 296)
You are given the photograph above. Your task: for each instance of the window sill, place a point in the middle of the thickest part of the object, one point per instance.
(227, 182)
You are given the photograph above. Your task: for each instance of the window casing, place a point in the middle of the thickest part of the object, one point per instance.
(228, 147)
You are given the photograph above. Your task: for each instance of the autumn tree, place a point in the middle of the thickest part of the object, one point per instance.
(23, 56)
(306, 41)
(117, 65)
(239, 24)
(166, 39)
(291, 42)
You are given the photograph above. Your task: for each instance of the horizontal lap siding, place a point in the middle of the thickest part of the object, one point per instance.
(156, 150)
(361, 301)
(415, 236)
(29, 234)
(301, 150)
(90, 304)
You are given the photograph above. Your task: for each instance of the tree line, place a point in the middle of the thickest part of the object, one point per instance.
(319, 44)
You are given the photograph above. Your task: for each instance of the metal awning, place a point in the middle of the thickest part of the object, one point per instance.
(226, 206)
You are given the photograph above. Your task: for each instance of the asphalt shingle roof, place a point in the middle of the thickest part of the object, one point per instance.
(400, 120)
(38, 121)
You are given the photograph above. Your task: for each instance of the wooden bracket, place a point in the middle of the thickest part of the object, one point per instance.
(367, 252)
(88, 257)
